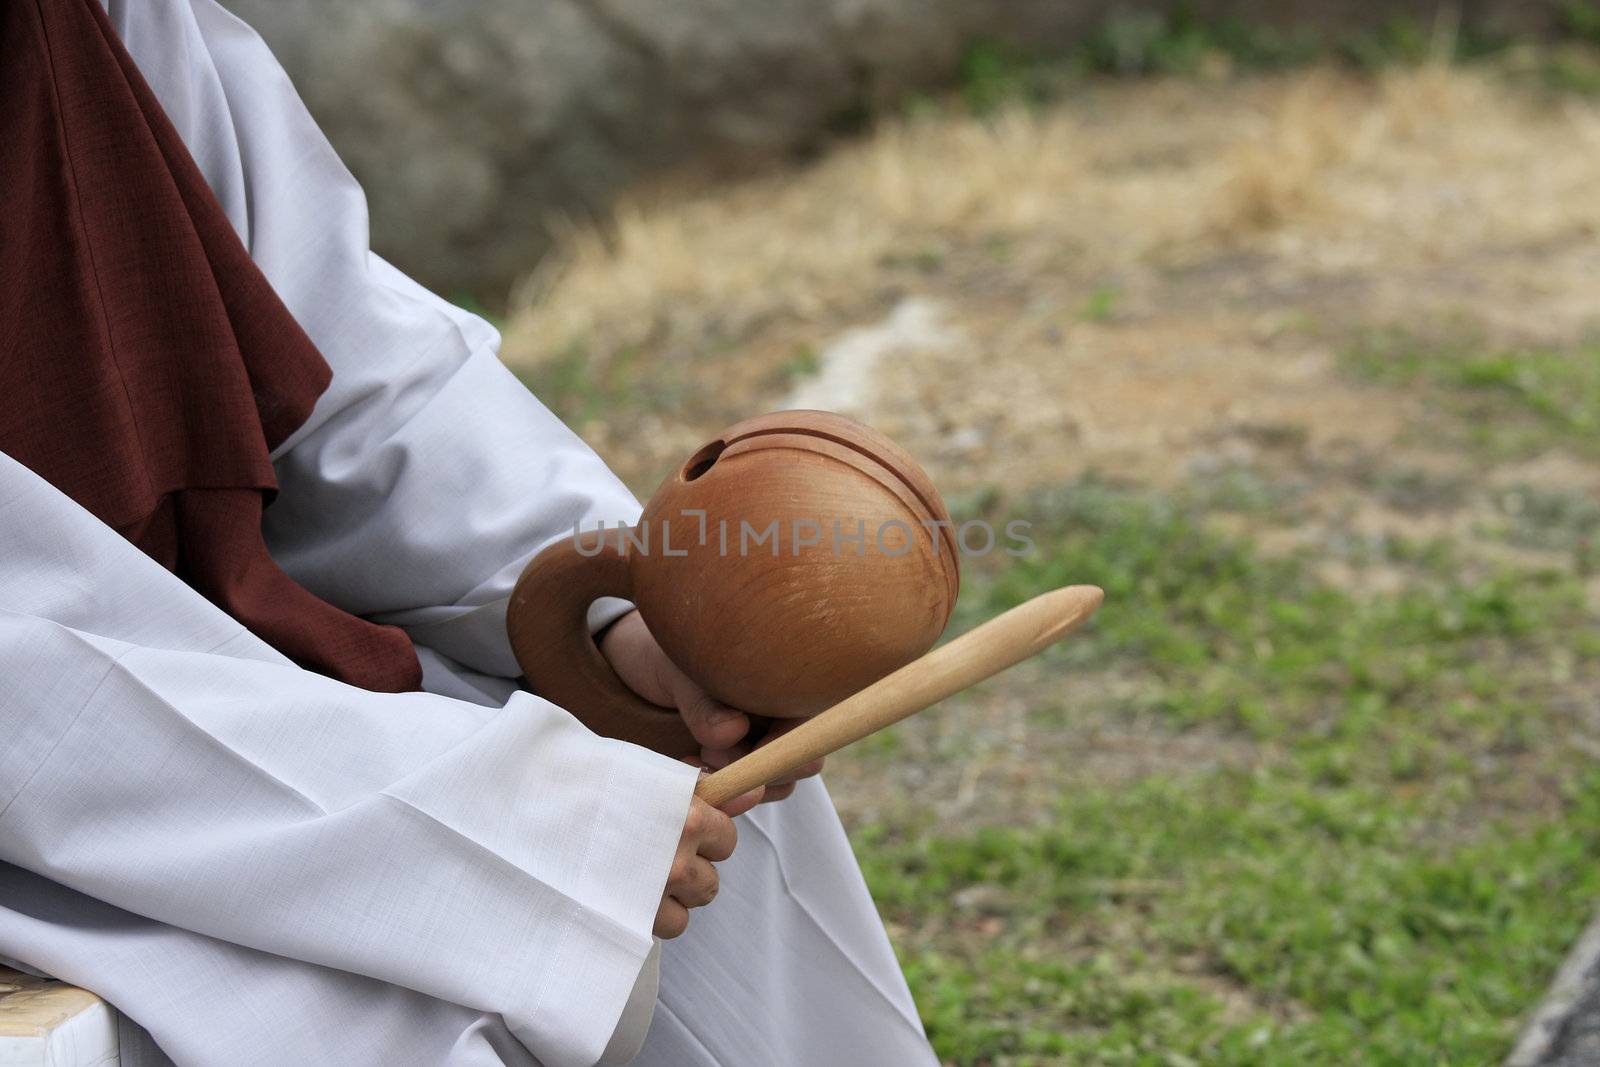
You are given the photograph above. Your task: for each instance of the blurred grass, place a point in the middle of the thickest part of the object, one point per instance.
(1180, 42)
(1398, 878)
(1508, 404)
(576, 387)
(1328, 913)
(1391, 838)
(1404, 866)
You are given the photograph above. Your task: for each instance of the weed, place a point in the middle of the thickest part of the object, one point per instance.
(803, 363)
(1348, 896)
(1511, 403)
(1101, 306)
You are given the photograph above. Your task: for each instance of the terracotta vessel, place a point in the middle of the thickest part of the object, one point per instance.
(793, 560)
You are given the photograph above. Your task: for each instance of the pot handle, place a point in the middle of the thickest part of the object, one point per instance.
(547, 622)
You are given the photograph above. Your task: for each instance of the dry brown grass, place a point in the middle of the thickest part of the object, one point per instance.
(1135, 278)
(1274, 178)
(801, 244)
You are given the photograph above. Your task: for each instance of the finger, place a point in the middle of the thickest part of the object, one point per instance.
(805, 770)
(718, 758)
(694, 885)
(809, 770)
(672, 919)
(780, 788)
(784, 787)
(712, 832)
(715, 725)
(634, 654)
(778, 792)
(743, 802)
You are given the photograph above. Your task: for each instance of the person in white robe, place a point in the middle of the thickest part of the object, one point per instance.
(257, 864)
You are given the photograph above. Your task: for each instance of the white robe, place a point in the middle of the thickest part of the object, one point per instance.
(259, 865)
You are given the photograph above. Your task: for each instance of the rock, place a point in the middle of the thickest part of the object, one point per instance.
(477, 125)
(1563, 1029)
(469, 123)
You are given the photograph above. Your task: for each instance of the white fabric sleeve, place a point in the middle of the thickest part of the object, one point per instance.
(159, 757)
(427, 476)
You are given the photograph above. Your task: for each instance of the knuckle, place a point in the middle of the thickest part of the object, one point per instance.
(697, 710)
(720, 845)
(713, 824)
(706, 882)
(671, 918)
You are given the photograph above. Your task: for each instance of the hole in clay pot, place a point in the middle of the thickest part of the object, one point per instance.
(703, 460)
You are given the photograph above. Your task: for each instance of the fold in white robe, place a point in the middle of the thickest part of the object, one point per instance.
(260, 865)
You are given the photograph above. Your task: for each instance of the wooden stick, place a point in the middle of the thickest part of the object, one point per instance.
(985, 650)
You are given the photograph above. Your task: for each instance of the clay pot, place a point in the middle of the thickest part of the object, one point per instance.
(788, 563)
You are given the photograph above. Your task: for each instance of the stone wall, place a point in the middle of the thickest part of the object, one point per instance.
(477, 125)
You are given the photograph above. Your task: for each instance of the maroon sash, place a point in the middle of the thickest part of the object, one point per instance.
(147, 368)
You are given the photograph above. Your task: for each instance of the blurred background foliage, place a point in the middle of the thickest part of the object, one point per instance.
(1277, 321)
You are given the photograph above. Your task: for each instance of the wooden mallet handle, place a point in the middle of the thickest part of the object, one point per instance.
(985, 650)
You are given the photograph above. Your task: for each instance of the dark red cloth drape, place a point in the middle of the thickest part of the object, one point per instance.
(147, 368)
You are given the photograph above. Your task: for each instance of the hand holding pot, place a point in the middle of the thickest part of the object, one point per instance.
(789, 562)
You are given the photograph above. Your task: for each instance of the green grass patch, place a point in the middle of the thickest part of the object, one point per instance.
(1334, 921)
(1075, 1012)
(804, 362)
(1508, 404)
(1184, 43)
(580, 388)
(1101, 306)
(1261, 645)
(1573, 69)
(1581, 19)
(1392, 883)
